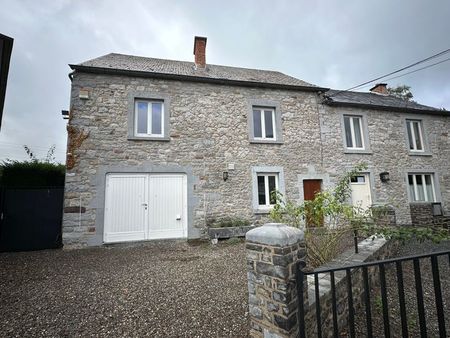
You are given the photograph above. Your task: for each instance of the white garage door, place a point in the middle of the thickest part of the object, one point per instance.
(142, 206)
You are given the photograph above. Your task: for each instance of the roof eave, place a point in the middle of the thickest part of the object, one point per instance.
(388, 108)
(124, 72)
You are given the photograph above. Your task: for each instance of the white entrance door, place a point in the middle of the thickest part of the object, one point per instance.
(361, 196)
(143, 206)
(125, 211)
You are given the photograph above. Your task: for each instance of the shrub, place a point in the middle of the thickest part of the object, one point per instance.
(33, 173)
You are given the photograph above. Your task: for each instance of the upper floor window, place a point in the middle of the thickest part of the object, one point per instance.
(421, 187)
(149, 118)
(264, 124)
(354, 137)
(415, 135)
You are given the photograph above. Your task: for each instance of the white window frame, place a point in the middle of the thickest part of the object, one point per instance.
(410, 127)
(416, 187)
(266, 188)
(352, 132)
(149, 118)
(263, 123)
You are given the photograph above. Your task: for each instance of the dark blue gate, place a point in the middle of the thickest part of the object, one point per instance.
(30, 219)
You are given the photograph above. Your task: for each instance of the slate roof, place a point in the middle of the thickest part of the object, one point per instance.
(375, 101)
(144, 66)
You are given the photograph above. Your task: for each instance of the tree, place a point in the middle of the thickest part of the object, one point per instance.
(402, 91)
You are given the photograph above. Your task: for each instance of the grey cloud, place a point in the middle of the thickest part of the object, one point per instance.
(329, 43)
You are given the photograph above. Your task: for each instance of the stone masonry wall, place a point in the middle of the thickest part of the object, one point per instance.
(389, 152)
(422, 215)
(208, 130)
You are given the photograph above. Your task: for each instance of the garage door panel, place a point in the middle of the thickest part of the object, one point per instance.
(125, 213)
(166, 206)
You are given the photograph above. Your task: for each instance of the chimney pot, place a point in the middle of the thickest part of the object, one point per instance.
(200, 51)
(380, 88)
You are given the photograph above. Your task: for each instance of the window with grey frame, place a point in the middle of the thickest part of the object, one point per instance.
(354, 134)
(264, 123)
(415, 135)
(149, 118)
(421, 187)
(267, 185)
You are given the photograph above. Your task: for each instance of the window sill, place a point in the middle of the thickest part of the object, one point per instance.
(418, 153)
(143, 138)
(266, 141)
(261, 211)
(356, 151)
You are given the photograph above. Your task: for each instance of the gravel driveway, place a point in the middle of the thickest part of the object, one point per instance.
(155, 289)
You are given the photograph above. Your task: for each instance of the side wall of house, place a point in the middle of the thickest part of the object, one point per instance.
(389, 153)
(208, 131)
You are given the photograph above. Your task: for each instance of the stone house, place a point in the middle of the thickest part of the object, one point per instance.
(160, 148)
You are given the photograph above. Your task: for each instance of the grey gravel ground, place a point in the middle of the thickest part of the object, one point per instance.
(158, 289)
(410, 295)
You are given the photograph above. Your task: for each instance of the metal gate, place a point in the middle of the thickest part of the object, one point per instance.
(31, 219)
(364, 297)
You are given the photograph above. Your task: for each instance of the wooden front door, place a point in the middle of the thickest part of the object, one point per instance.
(310, 189)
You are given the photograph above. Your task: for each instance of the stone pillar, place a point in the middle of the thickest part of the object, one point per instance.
(272, 253)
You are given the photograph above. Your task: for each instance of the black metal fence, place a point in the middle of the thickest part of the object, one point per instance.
(30, 219)
(380, 266)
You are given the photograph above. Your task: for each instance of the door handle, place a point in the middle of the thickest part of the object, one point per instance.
(144, 204)
(178, 217)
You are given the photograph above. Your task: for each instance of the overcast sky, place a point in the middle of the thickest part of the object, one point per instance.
(334, 44)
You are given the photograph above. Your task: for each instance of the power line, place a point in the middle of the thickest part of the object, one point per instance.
(395, 72)
(413, 71)
(416, 70)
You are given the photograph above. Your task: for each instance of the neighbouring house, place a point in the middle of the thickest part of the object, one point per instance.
(6, 45)
(159, 148)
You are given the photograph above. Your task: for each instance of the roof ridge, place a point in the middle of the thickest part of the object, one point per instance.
(190, 62)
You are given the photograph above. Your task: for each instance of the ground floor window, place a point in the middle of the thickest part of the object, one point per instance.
(267, 185)
(421, 187)
(265, 181)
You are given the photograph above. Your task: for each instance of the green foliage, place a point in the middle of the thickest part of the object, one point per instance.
(404, 234)
(323, 244)
(233, 241)
(403, 92)
(331, 208)
(32, 173)
(227, 222)
(378, 302)
(328, 204)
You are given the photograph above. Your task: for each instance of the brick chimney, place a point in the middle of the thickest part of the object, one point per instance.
(380, 88)
(200, 51)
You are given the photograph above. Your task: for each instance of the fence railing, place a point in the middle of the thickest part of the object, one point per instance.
(350, 272)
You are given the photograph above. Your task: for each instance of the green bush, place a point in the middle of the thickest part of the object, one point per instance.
(31, 174)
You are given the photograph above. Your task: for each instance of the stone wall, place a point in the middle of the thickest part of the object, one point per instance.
(388, 151)
(274, 251)
(422, 215)
(208, 131)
